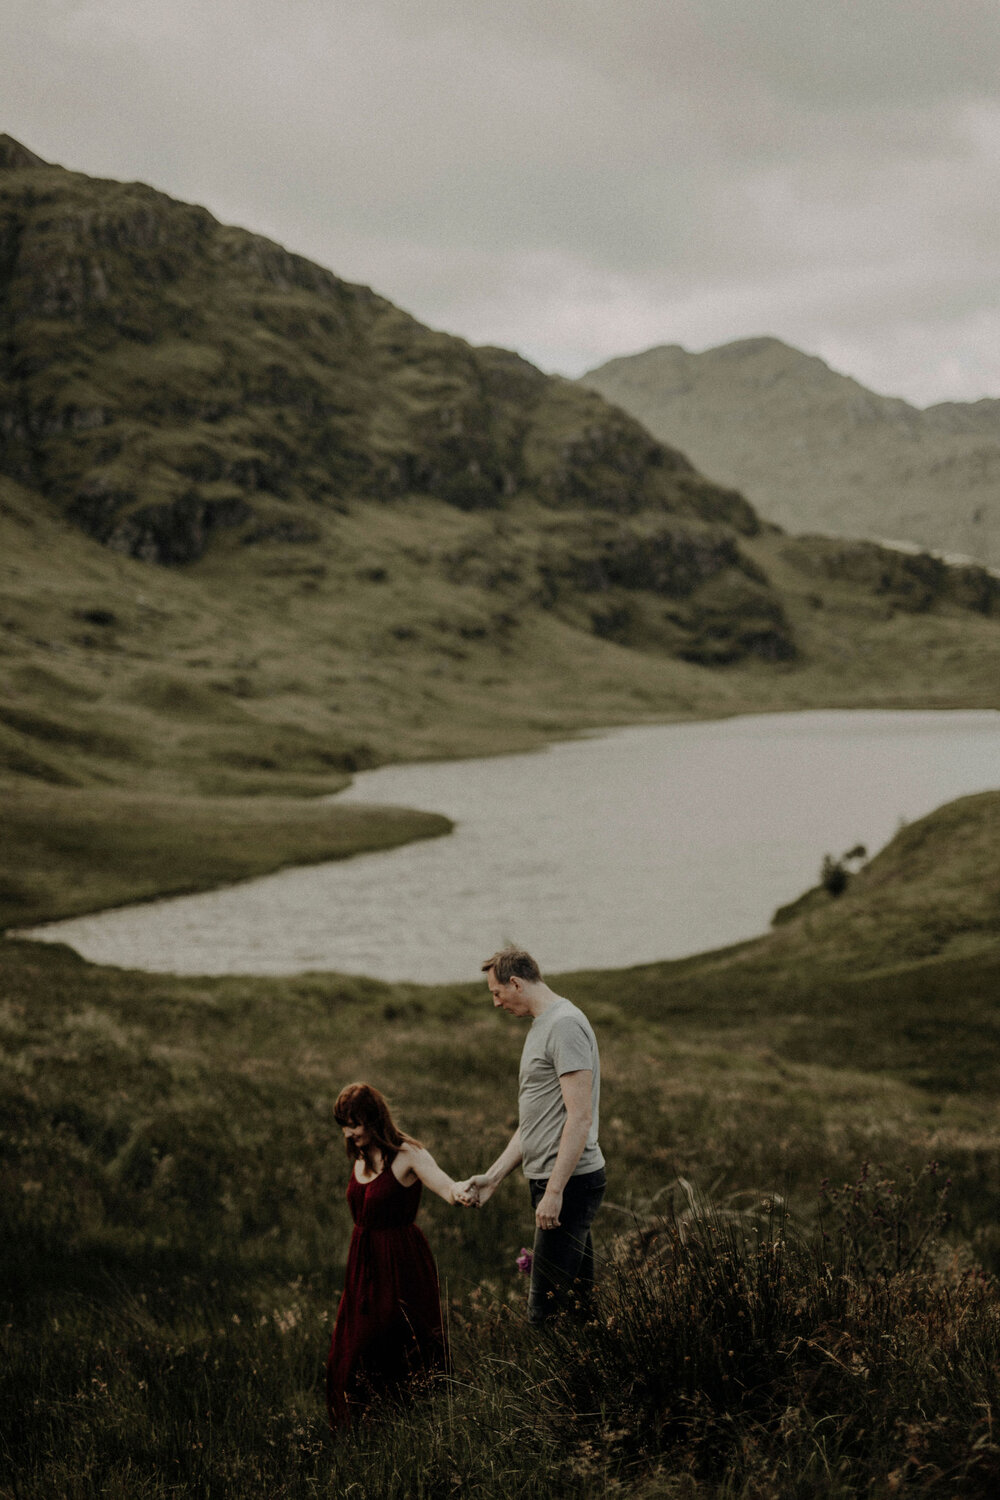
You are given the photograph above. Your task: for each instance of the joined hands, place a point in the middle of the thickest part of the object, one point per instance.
(473, 1192)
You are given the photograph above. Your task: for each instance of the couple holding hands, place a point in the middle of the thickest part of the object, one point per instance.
(388, 1327)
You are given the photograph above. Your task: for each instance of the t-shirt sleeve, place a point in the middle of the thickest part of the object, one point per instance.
(571, 1046)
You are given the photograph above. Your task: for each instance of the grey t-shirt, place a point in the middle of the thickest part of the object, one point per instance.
(560, 1040)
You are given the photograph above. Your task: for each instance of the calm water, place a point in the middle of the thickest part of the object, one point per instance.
(642, 843)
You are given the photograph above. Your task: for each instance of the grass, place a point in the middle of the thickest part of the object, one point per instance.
(784, 1309)
(729, 1366)
(68, 851)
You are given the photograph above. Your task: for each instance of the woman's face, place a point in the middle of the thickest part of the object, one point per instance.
(357, 1133)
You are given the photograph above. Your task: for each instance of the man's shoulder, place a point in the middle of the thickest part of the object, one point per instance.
(558, 1014)
(569, 1020)
(569, 1011)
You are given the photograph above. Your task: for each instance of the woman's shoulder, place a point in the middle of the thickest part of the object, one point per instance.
(404, 1163)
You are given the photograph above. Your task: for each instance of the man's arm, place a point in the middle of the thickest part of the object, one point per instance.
(576, 1092)
(486, 1184)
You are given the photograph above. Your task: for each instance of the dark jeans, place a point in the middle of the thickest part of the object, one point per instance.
(562, 1267)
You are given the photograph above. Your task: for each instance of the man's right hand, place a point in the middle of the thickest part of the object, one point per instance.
(483, 1187)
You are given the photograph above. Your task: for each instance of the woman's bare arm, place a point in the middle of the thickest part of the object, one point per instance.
(418, 1162)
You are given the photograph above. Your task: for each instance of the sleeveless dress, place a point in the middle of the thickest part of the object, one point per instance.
(388, 1327)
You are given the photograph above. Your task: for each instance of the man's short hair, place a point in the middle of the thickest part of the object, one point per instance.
(511, 961)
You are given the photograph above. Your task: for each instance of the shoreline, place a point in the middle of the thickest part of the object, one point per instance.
(445, 823)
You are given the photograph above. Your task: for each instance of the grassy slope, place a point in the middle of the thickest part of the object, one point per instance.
(132, 766)
(173, 1188)
(71, 852)
(897, 971)
(272, 672)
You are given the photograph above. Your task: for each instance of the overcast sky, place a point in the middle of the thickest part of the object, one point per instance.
(575, 179)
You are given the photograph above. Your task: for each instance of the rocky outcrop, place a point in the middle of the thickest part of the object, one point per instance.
(686, 589)
(911, 581)
(669, 561)
(175, 533)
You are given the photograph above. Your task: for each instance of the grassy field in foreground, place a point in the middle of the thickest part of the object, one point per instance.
(174, 1224)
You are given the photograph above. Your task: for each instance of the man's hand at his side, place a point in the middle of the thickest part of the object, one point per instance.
(548, 1210)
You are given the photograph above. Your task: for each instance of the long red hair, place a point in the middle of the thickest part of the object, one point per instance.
(360, 1104)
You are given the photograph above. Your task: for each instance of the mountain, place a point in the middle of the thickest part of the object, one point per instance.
(816, 451)
(165, 377)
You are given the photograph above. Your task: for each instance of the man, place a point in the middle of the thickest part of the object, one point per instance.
(555, 1143)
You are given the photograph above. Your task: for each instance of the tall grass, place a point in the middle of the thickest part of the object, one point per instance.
(173, 1232)
(728, 1354)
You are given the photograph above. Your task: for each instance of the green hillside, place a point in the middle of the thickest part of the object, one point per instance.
(142, 700)
(166, 378)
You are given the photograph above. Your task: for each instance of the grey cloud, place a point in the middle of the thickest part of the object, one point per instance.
(576, 178)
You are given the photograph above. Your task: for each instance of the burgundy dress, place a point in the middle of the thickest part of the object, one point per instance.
(388, 1326)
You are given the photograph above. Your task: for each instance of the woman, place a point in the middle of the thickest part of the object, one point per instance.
(388, 1329)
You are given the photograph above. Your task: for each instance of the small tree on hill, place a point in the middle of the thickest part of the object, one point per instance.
(835, 874)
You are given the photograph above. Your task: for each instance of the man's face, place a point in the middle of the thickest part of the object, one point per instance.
(509, 997)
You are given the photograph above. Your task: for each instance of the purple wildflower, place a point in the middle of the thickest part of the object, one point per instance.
(524, 1260)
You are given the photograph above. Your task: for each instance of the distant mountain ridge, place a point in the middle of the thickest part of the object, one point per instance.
(814, 450)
